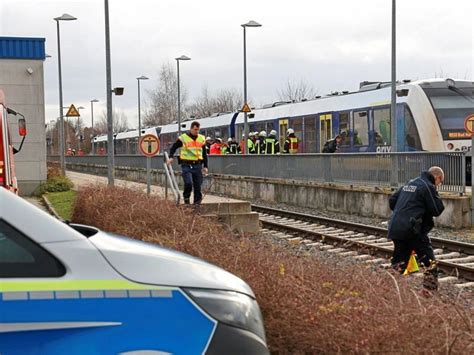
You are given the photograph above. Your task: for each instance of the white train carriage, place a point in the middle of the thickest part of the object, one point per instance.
(430, 117)
(124, 142)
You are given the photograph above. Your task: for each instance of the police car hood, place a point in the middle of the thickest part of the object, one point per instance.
(151, 264)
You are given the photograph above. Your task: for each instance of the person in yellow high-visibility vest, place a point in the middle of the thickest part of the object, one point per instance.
(192, 158)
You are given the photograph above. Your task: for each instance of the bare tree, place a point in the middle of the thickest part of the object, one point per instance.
(296, 91)
(120, 122)
(164, 99)
(224, 100)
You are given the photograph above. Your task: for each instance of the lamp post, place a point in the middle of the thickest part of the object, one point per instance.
(183, 57)
(92, 123)
(143, 77)
(110, 128)
(79, 126)
(64, 17)
(246, 127)
(393, 105)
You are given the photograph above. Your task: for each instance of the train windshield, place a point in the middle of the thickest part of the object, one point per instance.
(452, 106)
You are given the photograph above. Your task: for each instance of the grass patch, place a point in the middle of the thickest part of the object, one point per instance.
(63, 202)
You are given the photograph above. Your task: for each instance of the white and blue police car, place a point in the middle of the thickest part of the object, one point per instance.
(78, 290)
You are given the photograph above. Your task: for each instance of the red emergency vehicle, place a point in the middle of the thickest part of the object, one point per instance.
(7, 167)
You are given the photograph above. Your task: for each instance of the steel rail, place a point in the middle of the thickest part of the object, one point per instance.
(450, 269)
(451, 245)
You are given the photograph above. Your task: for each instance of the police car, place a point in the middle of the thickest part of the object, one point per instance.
(78, 290)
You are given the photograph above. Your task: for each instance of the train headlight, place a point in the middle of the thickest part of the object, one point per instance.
(450, 146)
(451, 83)
(231, 308)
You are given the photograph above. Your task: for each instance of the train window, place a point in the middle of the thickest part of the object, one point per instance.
(451, 107)
(310, 134)
(361, 128)
(261, 127)
(382, 126)
(412, 137)
(297, 125)
(344, 126)
(240, 132)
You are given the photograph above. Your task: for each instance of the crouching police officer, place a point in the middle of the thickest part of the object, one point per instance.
(414, 206)
(191, 158)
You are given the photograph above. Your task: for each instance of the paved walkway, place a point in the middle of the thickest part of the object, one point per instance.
(83, 180)
(36, 201)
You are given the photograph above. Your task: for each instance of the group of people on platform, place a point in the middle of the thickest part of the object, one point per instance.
(257, 143)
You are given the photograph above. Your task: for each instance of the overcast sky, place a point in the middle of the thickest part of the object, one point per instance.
(332, 44)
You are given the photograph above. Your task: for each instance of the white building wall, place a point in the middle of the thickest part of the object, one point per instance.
(24, 92)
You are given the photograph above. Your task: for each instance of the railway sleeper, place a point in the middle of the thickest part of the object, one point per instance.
(375, 261)
(336, 250)
(363, 257)
(451, 255)
(463, 260)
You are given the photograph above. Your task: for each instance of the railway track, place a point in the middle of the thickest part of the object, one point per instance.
(363, 242)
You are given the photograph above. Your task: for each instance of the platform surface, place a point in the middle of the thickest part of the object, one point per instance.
(83, 180)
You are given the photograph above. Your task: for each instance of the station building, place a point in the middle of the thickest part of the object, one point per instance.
(22, 80)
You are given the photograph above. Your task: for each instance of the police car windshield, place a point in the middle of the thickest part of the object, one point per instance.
(451, 107)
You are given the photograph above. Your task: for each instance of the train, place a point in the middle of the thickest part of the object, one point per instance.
(125, 143)
(430, 116)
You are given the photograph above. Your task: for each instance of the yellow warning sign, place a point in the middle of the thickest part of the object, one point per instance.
(149, 145)
(73, 111)
(469, 124)
(246, 108)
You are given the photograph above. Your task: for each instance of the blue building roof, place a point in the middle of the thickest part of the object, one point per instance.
(22, 48)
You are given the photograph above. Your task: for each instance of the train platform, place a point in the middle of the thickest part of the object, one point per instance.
(235, 213)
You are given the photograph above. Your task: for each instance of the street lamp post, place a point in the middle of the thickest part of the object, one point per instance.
(79, 126)
(183, 57)
(110, 128)
(143, 77)
(64, 17)
(92, 123)
(393, 106)
(246, 127)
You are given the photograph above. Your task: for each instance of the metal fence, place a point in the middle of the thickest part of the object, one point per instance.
(364, 169)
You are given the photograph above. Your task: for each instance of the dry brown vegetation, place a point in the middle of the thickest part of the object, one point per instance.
(310, 305)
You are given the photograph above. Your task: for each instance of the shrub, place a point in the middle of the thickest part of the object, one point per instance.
(57, 183)
(310, 304)
(54, 170)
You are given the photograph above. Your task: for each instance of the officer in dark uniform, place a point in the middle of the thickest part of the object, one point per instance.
(414, 206)
(332, 145)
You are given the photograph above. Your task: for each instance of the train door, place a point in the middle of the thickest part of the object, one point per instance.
(325, 129)
(283, 125)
